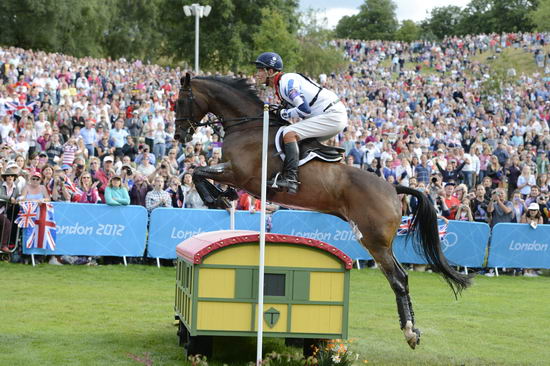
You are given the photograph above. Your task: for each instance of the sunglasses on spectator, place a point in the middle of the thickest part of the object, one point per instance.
(35, 178)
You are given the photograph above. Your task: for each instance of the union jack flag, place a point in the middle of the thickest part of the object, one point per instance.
(406, 223)
(27, 214)
(17, 106)
(71, 186)
(43, 235)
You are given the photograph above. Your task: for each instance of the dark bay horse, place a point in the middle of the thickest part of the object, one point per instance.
(370, 204)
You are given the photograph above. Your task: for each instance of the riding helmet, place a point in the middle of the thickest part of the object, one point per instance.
(269, 60)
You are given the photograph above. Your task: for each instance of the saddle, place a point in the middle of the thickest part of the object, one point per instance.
(311, 149)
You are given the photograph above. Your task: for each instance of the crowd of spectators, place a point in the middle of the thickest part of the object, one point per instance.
(95, 130)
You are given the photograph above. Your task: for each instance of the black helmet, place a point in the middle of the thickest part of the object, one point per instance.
(269, 60)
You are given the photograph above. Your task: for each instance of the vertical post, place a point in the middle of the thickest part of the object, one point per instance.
(125, 262)
(232, 216)
(32, 259)
(260, 320)
(197, 16)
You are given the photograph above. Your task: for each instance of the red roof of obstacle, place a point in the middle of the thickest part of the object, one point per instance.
(197, 247)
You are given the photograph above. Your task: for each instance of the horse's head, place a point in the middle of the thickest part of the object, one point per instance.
(188, 111)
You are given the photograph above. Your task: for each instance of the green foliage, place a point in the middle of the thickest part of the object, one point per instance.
(540, 16)
(274, 35)
(376, 20)
(408, 31)
(443, 21)
(317, 55)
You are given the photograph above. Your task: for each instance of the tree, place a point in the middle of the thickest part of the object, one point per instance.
(539, 16)
(376, 20)
(408, 31)
(443, 21)
(275, 36)
(318, 56)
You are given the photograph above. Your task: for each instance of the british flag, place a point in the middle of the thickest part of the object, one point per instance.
(17, 106)
(406, 223)
(27, 214)
(43, 234)
(71, 186)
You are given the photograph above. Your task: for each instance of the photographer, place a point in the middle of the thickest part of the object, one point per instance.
(436, 193)
(500, 208)
(544, 208)
(127, 176)
(479, 204)
(163, 170)
(59, 190)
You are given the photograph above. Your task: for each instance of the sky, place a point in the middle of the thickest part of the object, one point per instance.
(406, 9)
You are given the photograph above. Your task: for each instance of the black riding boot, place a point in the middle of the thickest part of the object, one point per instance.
(289, 179)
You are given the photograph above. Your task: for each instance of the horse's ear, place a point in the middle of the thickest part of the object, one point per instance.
(186, 80)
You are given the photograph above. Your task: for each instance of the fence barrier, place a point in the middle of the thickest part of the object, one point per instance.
(101, 230)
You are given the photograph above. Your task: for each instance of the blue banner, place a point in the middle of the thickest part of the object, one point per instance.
(520, 246)
(171, 226)
(97, 230)
(323, 227)
(463, 244)
(244, 220)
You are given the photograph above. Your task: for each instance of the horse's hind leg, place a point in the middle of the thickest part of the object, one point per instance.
(380, 249)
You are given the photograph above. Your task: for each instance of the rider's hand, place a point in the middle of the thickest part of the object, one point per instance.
(283, 114)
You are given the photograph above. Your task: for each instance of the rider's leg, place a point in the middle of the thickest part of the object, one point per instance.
(289, 179)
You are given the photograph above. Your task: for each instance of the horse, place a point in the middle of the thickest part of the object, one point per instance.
(368, 203)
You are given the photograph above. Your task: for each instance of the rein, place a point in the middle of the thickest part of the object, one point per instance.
(193, 124)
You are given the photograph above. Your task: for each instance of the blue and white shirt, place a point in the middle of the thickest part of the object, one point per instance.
(300, 92)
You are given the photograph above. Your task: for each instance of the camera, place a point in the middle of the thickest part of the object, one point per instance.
(163, 166)
(434, 180)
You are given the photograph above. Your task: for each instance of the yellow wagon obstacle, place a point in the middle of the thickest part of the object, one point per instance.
(306, 288)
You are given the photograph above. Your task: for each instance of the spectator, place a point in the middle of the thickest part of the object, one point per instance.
(500, 208)
(525, 181)
(176, 192)
(8, 209)
(87, 191)
(34, 191)
(157, 197)
(518, 206)
(139, 190)
(479, 205)
(464, 212)
(451, 201)
(115, 193)
(59, 186)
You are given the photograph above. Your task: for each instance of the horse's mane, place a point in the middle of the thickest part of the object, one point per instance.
(241, 85)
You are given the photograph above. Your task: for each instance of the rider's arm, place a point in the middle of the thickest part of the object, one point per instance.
(301, 106)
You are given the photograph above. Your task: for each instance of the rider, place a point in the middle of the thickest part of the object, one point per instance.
(322, 113)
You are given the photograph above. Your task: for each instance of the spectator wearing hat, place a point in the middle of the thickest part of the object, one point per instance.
(34, 191)
(8, 208)
(533, 217)
(116, 194)
(500, 208)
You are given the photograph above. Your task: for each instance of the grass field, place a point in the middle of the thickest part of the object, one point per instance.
(112, 315)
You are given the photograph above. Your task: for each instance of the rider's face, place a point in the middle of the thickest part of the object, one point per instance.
(262, 76)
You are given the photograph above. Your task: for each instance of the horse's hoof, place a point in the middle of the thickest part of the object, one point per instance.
(412, 334)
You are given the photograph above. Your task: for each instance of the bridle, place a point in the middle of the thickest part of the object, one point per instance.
(213, 120)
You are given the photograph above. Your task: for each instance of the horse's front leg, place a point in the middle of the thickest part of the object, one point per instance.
(211, 195)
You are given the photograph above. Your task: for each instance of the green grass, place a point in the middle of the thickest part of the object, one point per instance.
(110, 315)
(522, 61)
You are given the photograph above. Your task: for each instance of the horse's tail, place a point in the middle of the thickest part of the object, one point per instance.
(424, 227)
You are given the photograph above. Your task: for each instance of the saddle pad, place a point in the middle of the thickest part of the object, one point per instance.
(310, 156)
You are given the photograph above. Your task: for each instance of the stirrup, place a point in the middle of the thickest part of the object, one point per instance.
(274, 184)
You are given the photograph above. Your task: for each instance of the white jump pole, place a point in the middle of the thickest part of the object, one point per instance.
(232, 216)
(260, 320)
